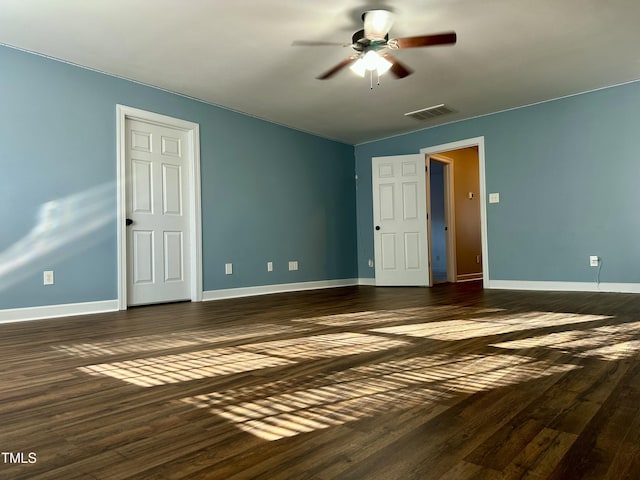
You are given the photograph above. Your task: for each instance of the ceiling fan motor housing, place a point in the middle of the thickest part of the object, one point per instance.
(362, 44)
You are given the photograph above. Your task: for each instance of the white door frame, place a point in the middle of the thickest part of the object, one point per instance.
(195, 219)
(473, 142)
(449, 213)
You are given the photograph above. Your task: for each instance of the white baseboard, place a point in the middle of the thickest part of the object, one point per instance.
(564, 286)
(280, 288)
(50, 311)
(469, 277)
(367, 281)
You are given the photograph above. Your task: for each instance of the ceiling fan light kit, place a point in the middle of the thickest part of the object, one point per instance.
(369, 62)
(371, 45)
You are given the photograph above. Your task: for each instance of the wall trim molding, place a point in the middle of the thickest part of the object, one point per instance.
(564, 286)
(51, 311)
(87, 308)
(469, 277)
(278, 288)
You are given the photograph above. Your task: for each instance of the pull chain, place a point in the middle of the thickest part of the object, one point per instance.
(371, 78)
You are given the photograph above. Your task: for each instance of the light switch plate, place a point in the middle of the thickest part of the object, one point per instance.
(47, 277)
(228, 268)
(494, 198)
(269, 266)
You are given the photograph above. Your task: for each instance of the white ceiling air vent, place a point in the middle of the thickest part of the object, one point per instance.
(430, 112)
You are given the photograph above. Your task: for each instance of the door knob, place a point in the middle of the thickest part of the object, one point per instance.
(128, 222)
(377, 227)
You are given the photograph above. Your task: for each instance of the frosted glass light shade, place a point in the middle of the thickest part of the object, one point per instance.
(358, 67)
(383, 65)
(377, 24)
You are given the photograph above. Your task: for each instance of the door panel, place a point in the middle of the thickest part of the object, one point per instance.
(171, 146)
(141, 186)
(143, 255)
(388, 251)
(173, 255)
(171, 190)
(409, 201)
(140, 141)
(399, 209)
(156, 172)
(412, 250)
(387, 201)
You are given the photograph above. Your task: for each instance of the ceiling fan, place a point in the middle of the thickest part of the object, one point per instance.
(372, 45)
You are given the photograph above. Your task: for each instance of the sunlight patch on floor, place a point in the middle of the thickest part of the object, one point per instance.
(357, 318)
(396, 315)
(149, 343)
(483, 327)
(149, 372)
(612, 342)
(322, 346)
(152, 371)
(278, 410)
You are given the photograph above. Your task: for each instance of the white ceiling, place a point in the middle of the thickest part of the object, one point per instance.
(238, 54)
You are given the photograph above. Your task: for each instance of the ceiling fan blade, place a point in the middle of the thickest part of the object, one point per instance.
(398, 69)
(305, 43)
(377, 24)
(330, 73)
(447, 38)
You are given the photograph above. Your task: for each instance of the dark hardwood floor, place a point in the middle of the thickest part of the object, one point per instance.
(451, 382)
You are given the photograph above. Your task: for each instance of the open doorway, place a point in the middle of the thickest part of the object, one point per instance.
(440, 219)
(456, 212)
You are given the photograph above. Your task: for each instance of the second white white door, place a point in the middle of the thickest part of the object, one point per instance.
(157, 173)
(400, 220)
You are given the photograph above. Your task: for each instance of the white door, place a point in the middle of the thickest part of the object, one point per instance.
(156, 163)
(400, 220)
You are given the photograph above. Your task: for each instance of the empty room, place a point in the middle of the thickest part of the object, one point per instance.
(319, 240)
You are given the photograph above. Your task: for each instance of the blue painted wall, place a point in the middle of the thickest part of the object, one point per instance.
(269, 193)
(567, 172)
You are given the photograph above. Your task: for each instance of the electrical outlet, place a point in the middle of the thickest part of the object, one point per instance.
(594, 261)
(47, 277)
(228, 268)
(269, 266)
(370, 263)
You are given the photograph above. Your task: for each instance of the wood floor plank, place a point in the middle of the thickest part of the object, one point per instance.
(469, 471)
(540, 456)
